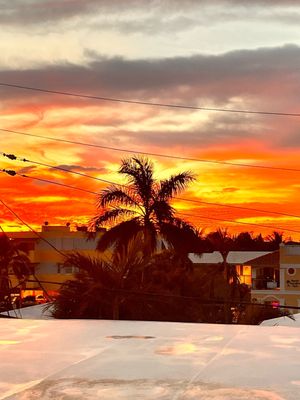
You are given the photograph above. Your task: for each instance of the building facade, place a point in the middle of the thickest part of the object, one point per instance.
(283, 283)
(46, 255)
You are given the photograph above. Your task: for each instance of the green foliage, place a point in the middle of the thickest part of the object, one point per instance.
(13, 261)
(134, 286)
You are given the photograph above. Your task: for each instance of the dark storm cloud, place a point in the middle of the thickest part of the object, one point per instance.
(220, 129)
(36, 11)
(39, 12)
(217, 78)
(266, 78)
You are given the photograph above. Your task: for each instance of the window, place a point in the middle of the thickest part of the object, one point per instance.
(61, 269)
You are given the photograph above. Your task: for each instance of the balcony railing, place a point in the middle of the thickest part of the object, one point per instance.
(264, 284)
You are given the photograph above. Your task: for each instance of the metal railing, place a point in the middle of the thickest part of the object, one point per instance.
(265, 284)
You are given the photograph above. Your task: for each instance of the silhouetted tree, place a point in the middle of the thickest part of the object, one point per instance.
(110, 288)
(13, 261)
(274, 240)
(143, 206)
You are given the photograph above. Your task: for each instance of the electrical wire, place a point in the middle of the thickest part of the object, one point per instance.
(210, 301)
(148, 103)
(32, 230)
(14, 157)
(238, 222)
(14, 173)
(237, 207)
(169, 156)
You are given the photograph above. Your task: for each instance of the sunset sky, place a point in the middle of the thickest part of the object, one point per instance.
(219, 54)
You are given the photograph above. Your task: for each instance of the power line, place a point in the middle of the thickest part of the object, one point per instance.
(32, 230)
(169, 156)
(14, 157)
(237, 207)
(239, 222)
(14, 173)
(149, 103)
(209, 301)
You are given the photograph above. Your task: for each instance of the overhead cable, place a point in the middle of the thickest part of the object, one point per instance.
(14, 157)
(148, 103)
(133, 151)
(32, 230)
(14, 173)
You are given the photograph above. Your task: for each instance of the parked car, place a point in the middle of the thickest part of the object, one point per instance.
(40, 299)
(28, 301)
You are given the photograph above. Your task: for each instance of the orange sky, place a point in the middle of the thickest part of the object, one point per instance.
(261, 75)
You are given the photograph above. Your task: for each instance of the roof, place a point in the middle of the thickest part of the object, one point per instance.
(39, 311)
(283, 321)
(270, 259)
(88, 359)
(234, 257)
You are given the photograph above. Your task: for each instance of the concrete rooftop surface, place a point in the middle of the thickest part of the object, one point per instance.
(89, 359)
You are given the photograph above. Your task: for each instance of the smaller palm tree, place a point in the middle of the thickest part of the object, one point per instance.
(274, 240)
(13, 261)
(109, 287)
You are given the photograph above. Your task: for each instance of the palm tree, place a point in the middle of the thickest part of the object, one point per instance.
(108, 287)
(222, 241)
(143, 207)
(12, 261)
(274, 240)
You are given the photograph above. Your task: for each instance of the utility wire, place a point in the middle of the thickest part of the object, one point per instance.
(237, 207)
(14, 157)
(169, 156)
(32, 230)
(238, 222)
(14, 173)
(148, 103)
(210, 301)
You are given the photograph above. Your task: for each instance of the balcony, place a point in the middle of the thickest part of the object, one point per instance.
(265, 284)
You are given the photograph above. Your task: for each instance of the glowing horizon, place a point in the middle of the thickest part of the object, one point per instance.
(101, 49)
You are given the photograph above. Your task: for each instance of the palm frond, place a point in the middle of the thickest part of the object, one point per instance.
(162, 210)
(89, 267)
(181, 236)
(174, 185)
(119, 235)
(115, 196)
(111, 216)
(20, 266)
(139, 171)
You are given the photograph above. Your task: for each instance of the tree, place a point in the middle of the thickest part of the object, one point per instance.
(244, 241)
(108, 287)
(274, 240)
(143, 206)
(12, 261)
(223, 242)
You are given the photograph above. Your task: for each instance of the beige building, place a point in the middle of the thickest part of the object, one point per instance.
(274, 277)
(47, 262)
(283, 285)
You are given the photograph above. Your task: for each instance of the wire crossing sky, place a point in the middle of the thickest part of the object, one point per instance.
(210, 87)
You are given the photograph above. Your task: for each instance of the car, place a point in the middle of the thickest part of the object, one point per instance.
(28, 301)
(40, 299)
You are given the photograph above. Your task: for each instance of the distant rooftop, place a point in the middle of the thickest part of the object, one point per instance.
(234, 257)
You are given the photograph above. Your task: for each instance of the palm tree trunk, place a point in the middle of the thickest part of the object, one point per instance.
(116, 308)
(227, 305)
